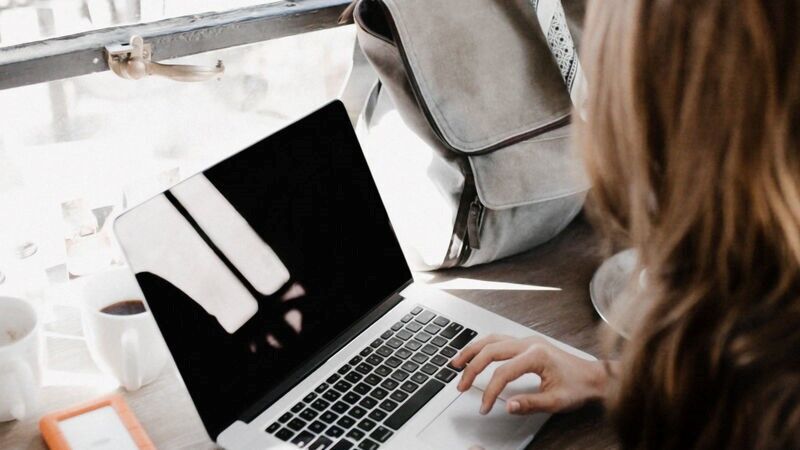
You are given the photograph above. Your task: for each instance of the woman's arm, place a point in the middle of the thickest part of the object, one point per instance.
(568, 382)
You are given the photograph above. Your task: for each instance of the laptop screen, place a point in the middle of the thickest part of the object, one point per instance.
(257, 263)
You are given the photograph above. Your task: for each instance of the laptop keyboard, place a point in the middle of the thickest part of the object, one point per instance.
(367, 400)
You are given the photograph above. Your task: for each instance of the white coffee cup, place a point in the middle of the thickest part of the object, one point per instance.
(129, 347)
(20, 359)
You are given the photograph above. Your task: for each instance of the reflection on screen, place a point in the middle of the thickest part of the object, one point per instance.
(264, 259)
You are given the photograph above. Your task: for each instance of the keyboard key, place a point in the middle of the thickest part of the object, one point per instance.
(425, 317)
(388, 405)
(378, 414)
(441, 321)
(451, 330)
(353, 377)
(344, 369)
(387, 334)
(376, 343)
(432, 328)
(423, 337)
(320, 405)
(445, 375)
(429, 369)
(366, 425)
(438, 341)
(321, 388)
(356, 434)
(285, 434)
(414, 404)
(400, 375)
(351, 397)
(429, 349)
(364, 368)
(374, 360)
(402, 353)
(394, 343)
(298, 407)
(340, 407)
(317, 426)
(341, 445)
(404, 335)
(355, 360)
(331, 396)
(328, 417)
(368, 402)
(342, 386)
(419, 358)
(409, 386)
(357, 412)
(413, 327)
(285, 418)
(406, 318)
(419, 377)
(381, 434)
(389, 384)
(366, 352)
(416, 310)
(322, 443)
(378, 393)
(392, 362)
(372, 379)
(384, 351)
(409, 366)
(273, 428)
(463, 339)
(346, 422)
(362, 388)
(448, 352)
(303, 439)
(334, 431)
(397, 326)
(308, 414)
(456, 369)
(296, 424)
(368, 445)
(439, 360)
(398, 396)
(383, 371)
(413, 345)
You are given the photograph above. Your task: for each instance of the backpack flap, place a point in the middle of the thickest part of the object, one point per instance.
(537, 170)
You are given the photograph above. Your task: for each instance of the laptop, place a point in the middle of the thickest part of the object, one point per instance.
(290, 311)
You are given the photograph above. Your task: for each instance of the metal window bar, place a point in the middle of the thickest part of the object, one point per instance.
(84, 53)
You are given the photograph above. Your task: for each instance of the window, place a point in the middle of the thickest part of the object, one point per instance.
(79, 145)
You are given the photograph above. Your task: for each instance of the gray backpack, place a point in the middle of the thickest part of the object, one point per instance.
(467, 132)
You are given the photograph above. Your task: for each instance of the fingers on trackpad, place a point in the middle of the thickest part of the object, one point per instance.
(526, 384)
(461, 426)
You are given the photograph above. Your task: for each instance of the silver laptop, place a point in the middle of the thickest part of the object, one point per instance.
(289, 309)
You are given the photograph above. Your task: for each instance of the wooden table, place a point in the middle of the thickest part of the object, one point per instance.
(566, 263)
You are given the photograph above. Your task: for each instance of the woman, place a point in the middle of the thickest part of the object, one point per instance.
(692, 139)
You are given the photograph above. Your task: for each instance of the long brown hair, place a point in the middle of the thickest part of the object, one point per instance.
(692, 140)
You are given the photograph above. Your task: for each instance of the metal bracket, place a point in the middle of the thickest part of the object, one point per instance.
(133, 62)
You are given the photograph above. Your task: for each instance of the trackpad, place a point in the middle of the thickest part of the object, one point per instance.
(461, 426)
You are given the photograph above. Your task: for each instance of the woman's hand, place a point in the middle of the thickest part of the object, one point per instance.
(568, 382)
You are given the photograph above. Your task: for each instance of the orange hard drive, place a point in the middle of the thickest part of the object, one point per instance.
(55, 439)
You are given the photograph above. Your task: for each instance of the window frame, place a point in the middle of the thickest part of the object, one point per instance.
(84, 53)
